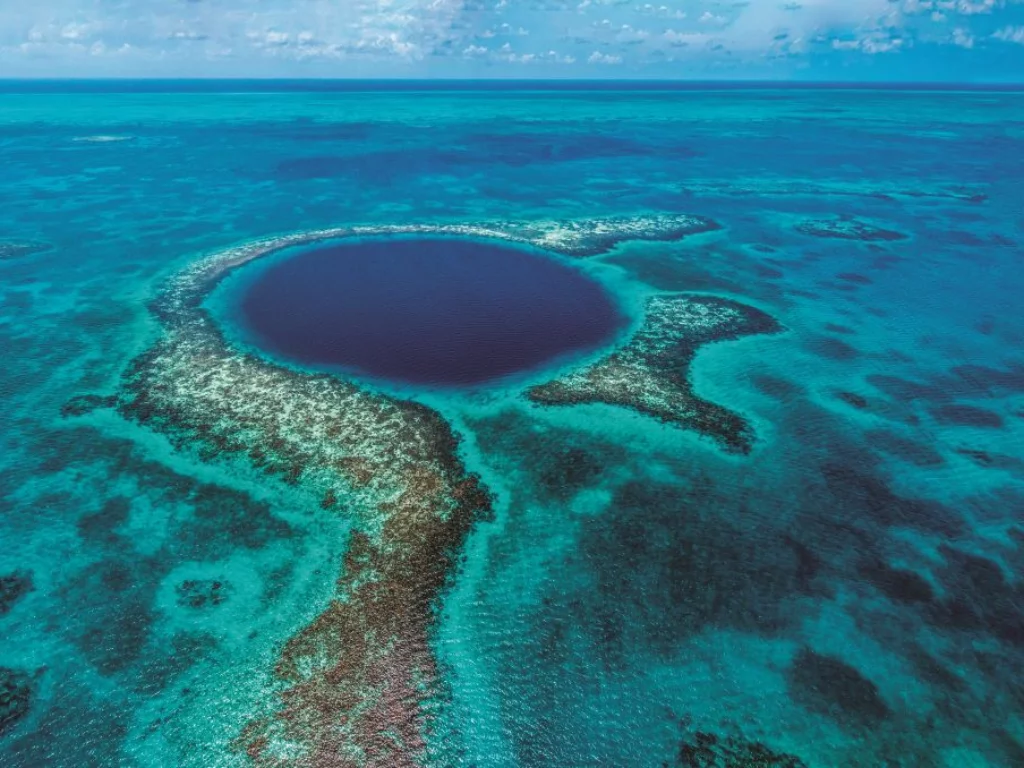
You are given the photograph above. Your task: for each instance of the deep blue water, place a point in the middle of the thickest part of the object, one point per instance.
(439, 311)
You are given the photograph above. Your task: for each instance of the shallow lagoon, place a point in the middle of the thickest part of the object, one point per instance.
(848, 593)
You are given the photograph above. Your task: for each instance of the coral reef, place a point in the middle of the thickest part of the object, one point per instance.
(16, 249)
(13, 586)
(827, 685)
(202, 593)
(847, 228)
(650, 374)
(595, 236)
(355, 682)
(80, 405)
(15, 697)
(706, 750)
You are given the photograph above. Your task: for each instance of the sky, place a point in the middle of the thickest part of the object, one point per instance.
(858, 40)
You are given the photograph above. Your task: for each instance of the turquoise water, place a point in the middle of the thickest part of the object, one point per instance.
(850, 593)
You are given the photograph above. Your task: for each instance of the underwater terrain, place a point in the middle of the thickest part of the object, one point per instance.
(497, 429)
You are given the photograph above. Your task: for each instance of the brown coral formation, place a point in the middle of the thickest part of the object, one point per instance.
(651, 373)
(354, 685)
(707, 750)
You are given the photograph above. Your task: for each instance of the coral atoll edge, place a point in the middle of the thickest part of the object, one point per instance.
(358, 685)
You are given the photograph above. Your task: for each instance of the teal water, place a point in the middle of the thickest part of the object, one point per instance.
(851, 593)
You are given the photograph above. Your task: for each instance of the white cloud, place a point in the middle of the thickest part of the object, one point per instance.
(416, 37)
(963, 38)
(1010, 35)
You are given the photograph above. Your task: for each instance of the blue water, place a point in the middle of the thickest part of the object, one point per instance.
(446, 312)
(851, 593)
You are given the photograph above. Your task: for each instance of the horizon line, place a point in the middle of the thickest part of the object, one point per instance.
(8, 84)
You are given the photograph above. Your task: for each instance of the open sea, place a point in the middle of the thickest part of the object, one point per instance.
(579, 425)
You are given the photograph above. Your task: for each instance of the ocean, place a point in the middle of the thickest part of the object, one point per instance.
(742, 486)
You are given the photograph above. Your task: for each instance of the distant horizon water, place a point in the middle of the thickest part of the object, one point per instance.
(441, 84)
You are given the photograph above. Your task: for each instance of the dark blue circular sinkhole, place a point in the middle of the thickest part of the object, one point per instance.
(438, 311)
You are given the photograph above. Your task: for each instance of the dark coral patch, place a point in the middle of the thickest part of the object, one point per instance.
(872, 498)
(897, 584)
(831, 348)
(934, 671)
(836, 328)
(967, 416)
(979, 597)
(117, 599)
(84, 404)
(961, 237)
(982, 380)
(571, 469)
(202, 593)
(855, 278)
(15, 697)
(561, 464)
(985, 326)
(853, 400)
(993, 460)
(904, 448)
(830, 686)
(707, 750)
(304, 129)
(100, 527)
(904, 390)
(848, 228)
(885, 261)
(225, 518)
(768, 273)
(663, 572)
(14, 586)
(175, 658)
(10, 249)
(776, 386)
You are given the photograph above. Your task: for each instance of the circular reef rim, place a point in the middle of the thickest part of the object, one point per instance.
(231, 273)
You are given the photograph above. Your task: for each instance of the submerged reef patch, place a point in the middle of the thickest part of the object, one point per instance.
(16, 249)
(829, 686)
(14, 586)
(595, 236)
(847, 228)
(706, 750)
(359, 685)
(650, 374)
(15, 697)
(967, 416)
(81, 405)
(202, 593)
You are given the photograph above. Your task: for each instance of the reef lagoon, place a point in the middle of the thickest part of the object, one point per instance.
(598, 426)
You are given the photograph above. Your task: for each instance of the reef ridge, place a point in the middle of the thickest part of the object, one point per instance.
(650, 374)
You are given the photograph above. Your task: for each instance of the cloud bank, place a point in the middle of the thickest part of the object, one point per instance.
(811, 39)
